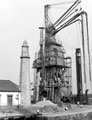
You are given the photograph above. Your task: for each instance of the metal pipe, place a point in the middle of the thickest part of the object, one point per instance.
(66, 16)
(76, 2)
(88, 45)
(69, 21)
(42, 52)
(69, 24)
(66, 23)
(83, 45)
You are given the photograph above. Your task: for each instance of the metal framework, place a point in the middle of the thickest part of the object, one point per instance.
(54, 68)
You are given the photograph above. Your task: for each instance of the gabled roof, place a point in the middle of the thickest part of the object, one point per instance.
(8, 86)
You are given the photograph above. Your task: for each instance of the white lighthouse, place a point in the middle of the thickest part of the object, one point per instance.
(25, 75)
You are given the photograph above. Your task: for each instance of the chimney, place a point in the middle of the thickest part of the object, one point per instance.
(24, 81)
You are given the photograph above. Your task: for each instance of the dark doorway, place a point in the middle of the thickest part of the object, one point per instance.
(9, 100)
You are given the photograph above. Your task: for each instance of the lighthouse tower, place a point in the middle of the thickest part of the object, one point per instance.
(25, 75)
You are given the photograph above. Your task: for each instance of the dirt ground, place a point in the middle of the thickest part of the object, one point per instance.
(48, 109)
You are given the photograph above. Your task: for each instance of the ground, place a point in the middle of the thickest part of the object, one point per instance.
(28, 111)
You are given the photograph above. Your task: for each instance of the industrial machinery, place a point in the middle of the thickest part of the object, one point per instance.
(54, 69)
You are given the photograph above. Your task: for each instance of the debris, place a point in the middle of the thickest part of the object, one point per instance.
(51, 109)
(44, 103)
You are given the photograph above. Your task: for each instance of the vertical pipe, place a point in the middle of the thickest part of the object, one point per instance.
(42, 54)
(46, 8)
(88, 45)
(79, 72)
(83, 45)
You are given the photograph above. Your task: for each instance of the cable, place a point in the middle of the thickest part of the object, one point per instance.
(61, 3)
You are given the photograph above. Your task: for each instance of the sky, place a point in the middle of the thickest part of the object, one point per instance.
(19, 21)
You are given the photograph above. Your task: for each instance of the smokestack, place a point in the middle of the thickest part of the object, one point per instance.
(79, 71)
(25, 75)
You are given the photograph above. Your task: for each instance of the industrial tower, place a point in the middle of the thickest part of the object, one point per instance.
(52, 65)
(25, 75)
(53, 69)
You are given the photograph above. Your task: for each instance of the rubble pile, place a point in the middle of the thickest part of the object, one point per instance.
(47, 106)
(44, 103)
(51, 109)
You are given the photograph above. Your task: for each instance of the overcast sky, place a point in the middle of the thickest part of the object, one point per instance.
(19, 21)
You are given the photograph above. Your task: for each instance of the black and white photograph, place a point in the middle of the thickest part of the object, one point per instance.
(45, 59)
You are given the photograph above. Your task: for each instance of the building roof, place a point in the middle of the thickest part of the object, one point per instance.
(8, 86)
